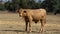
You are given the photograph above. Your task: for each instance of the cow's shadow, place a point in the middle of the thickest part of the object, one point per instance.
(23, 31)
(14, 30)
(19, 31)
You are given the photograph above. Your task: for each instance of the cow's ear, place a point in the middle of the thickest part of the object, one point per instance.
(17, 11)
(24, 11)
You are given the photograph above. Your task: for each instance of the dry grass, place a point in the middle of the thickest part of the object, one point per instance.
(11, 23)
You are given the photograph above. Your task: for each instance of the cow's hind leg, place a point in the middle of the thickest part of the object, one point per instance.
(43, 21)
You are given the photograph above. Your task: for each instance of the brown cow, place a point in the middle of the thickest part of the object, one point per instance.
(33, 15)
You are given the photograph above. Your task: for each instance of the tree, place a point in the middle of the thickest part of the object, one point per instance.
(17, 4)
(51, 5)
(48, 5)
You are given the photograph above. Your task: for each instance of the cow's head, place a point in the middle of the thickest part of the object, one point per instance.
(22, 12)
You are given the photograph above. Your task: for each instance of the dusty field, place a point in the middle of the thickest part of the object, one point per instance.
(11, 23)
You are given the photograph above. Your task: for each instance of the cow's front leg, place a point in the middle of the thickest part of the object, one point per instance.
(26, 25)
(30, 21)
(29, 26)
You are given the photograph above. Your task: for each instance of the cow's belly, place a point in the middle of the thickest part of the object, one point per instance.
(36, 19)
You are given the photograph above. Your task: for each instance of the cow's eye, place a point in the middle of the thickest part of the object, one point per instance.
(24, 11)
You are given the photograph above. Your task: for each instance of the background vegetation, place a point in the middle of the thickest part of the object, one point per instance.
(49, 5)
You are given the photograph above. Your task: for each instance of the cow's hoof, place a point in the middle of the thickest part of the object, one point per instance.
(25, 30)
(40, 31)
(29, 31)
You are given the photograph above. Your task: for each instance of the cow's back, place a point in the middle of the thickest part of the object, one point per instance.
(37, 13)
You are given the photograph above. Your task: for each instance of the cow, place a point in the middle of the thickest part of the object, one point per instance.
(35, 15)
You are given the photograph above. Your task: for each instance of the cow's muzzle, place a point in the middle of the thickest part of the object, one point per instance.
(20, 15)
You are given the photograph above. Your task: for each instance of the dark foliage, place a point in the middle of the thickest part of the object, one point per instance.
(49, 5)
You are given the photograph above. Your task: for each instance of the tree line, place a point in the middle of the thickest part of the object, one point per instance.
(49, 5)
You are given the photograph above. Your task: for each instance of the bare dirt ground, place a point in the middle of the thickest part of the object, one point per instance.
(11, 23)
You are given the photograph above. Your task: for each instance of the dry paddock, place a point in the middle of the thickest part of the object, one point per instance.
(11, 23)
